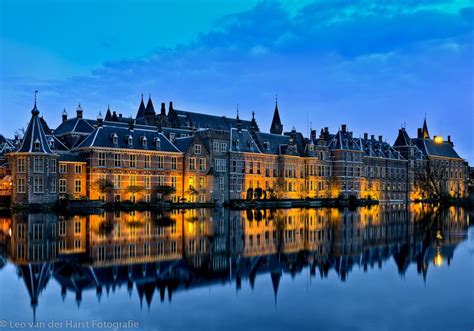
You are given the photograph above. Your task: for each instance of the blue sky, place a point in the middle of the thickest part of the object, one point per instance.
(370, 64)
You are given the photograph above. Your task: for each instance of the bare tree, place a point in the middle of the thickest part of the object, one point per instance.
(431, 179)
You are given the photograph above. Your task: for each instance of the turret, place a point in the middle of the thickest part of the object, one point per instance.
(64, 115)
(79, 111)
(276, 127)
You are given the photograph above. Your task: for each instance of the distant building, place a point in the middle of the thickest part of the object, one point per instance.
(208, 158)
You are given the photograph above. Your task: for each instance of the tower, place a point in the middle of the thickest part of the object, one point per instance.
(34, 167)
(276, 127)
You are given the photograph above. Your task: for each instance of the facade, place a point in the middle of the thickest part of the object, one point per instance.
(207, 158)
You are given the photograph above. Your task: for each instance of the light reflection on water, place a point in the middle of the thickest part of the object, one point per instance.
(383, 267)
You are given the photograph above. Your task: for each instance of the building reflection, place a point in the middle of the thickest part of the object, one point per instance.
(157, 254)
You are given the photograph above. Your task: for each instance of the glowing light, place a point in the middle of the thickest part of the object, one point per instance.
(438, 139)
(438, 259)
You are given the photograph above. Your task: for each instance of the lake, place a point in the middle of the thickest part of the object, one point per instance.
(385, 267)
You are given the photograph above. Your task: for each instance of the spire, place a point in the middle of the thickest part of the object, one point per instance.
(141, 109)
(239, 122)
(35, 110)
(426, 134)
(108, 114)
(253, 123)
(149, 107)
(276, 127)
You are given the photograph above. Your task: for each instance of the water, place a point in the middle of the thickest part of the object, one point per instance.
(378, 268)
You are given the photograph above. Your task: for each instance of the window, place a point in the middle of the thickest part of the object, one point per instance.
(191, 182)
(117, 160)
(147, 182)
(62, 228)
(161, 162)
(220, 165)
(202, 183)
(114, 138)
(221, 183)
(52, 185)
(54, 163)
(215, 146)
(223, 147)
(117, 181)
(77, 227)
(21, 165)
(78, 168)
(144, 142)
(133, 180)
(77, 186)
(77, 244)
(192, 164)
(101, 159)
(161, 180)
(62, 186)
(133, 160)
(62, 168)
(174, 162)
(197, 149)
(130, 141)
(38, 164)
(147, 161)
(202, 164)
(21, 185)
(38, 185)
(37, 231)
(173, 182)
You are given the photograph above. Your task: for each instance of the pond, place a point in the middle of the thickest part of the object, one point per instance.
(386, 267)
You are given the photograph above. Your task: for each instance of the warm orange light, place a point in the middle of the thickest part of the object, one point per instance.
(438, 259)
(438, 139)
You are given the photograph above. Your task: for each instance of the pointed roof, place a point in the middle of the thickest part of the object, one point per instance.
(426, 134)
(403, 139)
(108, 114)
(35, 137)
(141, 109)
(149, 107)
(276, 127)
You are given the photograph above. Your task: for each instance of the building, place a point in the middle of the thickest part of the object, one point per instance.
(204, 158)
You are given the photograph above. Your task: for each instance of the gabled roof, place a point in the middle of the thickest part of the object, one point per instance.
(431, 148)
(35, 136)
(102, 137)
(270, 143)
(376, 148)
(344, 140)
(75, 126)
(403, 139)
(242, 141)
(183, 143)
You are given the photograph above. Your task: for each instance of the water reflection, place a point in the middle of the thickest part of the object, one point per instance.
(158, 254)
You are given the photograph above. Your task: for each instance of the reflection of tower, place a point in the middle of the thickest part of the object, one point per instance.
(35, 277)
(276, 276)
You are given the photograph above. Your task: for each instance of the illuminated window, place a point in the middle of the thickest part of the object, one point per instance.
(202, 183)
(77, 227)
(78, 186)
(147, 182)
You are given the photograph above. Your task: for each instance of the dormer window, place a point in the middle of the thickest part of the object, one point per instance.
(157, 142)
(266, 145)
(130, 140)
(144, 141)
(172, 136)
(114, 138)
(37, 144)
(51, 142)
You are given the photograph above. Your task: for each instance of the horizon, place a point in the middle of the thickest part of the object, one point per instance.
(374, 67)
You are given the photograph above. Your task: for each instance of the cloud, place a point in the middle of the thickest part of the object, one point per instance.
(370, 65)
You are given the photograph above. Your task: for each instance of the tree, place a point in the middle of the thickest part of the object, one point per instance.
(192, 192)
(104, 186)
(258, 193)
(431, 179)
(164, 190)
(249, 193)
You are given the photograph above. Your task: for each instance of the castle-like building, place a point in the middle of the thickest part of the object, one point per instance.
(208, 158)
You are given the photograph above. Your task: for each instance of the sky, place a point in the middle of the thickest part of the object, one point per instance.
(373, 65)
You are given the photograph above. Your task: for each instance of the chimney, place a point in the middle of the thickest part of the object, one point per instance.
(420, 133)
(380, 138)
(100, 120)
(372, 137)
(366, 136)
(313, 135)
(343, 128)
(79, 111)
(120, 115)
(171, 106)
(64, 115)
(449, 141)
(163, 109)
(131, 125)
